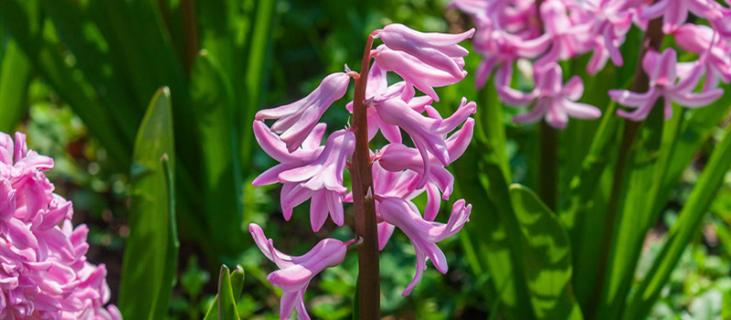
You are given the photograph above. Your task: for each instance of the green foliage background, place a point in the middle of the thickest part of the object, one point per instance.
(80, 76)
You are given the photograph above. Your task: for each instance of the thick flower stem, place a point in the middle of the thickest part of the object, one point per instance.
(365, 210)
(652, 40)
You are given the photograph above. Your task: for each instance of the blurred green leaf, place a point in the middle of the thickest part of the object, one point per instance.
(15, 72)
(547, 255)
(24, 20)
(150, 259)
(220, 174)
(258, 54)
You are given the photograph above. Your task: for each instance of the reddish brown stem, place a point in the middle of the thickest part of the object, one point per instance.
(369, 294)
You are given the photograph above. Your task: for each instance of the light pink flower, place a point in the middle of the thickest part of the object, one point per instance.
(423, 234)
(296, 272)
(439, 50)
(552, 100)
(501, 49)
(702, 41)
(665, 83)
(610, 21)
(320, 180)
(414, 71)
(276, 148)
(427, 133)
(44, 274)
(567, 37)
(675, 12)
(398, 157)
(294, 121)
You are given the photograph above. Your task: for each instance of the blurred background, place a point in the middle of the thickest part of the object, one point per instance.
(77, 76)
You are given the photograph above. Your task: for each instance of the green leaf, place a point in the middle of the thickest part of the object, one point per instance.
(24, 20)
(547, 253)
(150, 257)
(220, 175)
(687, 225)
(230, 285)
(258, 55)
(81, 37)
(647, 164)
(15, 71)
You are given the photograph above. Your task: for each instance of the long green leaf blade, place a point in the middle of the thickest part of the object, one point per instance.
(150, 256)
(687, 225)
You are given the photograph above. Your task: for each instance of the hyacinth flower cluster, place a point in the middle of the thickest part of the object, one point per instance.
(44, 273)
(418, 144)
(545, 33)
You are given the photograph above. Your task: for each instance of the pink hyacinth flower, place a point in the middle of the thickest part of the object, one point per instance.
(567, 38)
(423, 234)
(296, 272)
(440, 50)
(294, 121)
(414, 71)
(611, 20)
(501, 49)
(44, 274)
(276, 148)
(552, 100)
(427, 133)
(664, 83)
(398, 157)
(701, 40)
(675, 12)
(321, 180)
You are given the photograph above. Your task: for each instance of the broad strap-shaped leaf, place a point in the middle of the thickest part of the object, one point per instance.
(687, 225)
(547, 257)
(150, 257)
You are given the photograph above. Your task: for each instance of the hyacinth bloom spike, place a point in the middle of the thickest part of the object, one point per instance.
(423, 234)
(436, 49)
(662, 70)
(294, 121)
(309, 171)
(296, 272)
(45, 274)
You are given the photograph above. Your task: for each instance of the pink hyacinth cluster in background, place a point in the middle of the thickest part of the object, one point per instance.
(402, 170)
(509, 31)
(44, 273)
